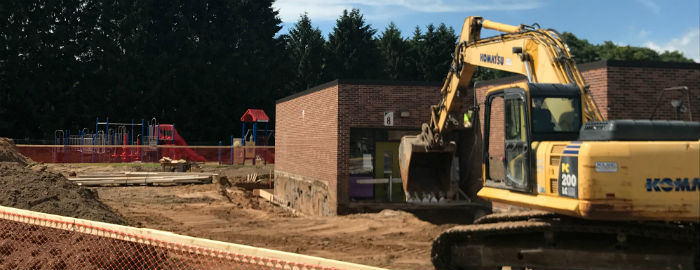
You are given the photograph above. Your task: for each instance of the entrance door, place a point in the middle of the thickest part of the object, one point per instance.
(517, 142)
(386, 163)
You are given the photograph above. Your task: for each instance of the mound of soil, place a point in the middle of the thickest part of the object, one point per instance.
(32, 188)
(9, 152)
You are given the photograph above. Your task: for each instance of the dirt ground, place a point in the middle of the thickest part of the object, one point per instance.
(391, 239)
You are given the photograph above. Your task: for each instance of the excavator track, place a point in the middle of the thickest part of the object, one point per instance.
(540, 240)
(516, 216)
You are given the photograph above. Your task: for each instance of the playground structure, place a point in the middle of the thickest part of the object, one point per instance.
(121, 142)
(149, 141)
(251, 136)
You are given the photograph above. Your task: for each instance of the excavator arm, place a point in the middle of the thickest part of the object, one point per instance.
(536, 53)
(540, 55)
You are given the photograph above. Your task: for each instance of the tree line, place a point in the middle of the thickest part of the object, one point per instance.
(201, 64)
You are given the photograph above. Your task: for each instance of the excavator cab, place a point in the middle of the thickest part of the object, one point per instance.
(531, 112)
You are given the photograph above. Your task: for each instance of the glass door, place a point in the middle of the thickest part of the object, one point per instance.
(517, 142)
(387, 167)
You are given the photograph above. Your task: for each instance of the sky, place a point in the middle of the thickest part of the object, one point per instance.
(656, 24)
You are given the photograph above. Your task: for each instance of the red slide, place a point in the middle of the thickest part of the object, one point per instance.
(180, 153)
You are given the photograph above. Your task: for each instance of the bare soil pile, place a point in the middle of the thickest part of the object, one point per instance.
(9, 152)
(31, 187)
(47, 192)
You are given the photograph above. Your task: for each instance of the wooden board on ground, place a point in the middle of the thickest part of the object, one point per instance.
(142, 178)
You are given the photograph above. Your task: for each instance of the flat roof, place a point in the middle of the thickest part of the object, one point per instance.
(356, 82)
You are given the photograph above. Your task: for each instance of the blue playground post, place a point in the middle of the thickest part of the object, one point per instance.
(109, 139)
(131, 136)
(242, 134)
(255, 133)
(142, 131)
(266, 131)
(92, 153)
(97, 127)
(157, 141)
(82, 141)
(173, 135)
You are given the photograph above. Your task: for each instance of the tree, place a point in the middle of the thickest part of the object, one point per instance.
(580, 49)
(352, 49)
(193, 63)
(394, 50)
(610, 50)
(674, 56)
(433, 51)
(584, 52)
(306, 52)
(39, 42)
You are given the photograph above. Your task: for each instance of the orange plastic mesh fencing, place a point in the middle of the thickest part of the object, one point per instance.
(117, 154)
(31, 242)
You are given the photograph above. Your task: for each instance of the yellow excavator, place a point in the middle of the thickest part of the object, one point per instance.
(599, 194)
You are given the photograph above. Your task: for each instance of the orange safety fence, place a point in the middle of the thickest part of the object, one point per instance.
(33, 240)
(144, 153)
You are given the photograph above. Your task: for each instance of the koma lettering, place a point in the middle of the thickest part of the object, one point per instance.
(493, 59)
(668, 184)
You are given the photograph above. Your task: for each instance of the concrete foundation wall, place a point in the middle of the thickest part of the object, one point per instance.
(304, 194)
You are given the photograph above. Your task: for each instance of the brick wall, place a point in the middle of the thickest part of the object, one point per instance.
(596, 78)
(362, 105)
(306, 150)
(635, 92)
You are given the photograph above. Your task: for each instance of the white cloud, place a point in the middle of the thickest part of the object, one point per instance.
(688, 44)
(651, 5)
(290, 10)
(643, 33)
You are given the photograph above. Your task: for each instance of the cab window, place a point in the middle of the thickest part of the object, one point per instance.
(555, 114)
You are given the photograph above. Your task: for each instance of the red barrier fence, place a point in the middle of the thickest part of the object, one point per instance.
(132, 153)
(32, 240)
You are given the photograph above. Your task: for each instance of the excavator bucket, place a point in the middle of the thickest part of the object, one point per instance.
(425, 172)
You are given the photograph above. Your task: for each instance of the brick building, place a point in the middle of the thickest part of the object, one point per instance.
(328, 138)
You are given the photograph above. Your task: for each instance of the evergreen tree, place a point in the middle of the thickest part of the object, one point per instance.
(395, 53)
(193, 63)
(434, 51)
(306, 52)
(353, 51)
